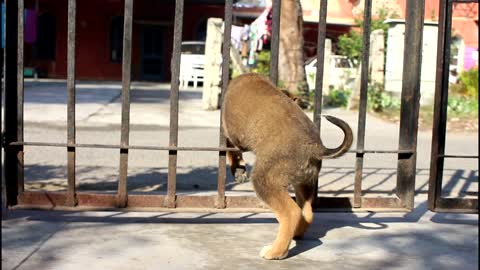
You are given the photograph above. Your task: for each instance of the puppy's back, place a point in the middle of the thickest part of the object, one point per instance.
(257, 114)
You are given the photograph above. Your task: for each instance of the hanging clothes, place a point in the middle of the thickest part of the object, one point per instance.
(31, 19)
(253, 39)
(236, 36)
(254, 36)
(263, 24)
(30, 23)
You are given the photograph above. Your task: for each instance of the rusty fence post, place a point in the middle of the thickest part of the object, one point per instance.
(362, 110)
(122, 193)
(222, 166)
(13, 165)
(275, 40)
(317, 109)
(3, 194)
(410, 104)
(71, 199)
(175, 65)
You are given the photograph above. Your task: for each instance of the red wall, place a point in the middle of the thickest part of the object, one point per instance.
(310, 35)
(93, 34)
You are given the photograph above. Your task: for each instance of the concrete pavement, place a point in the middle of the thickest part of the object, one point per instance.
(147, 240)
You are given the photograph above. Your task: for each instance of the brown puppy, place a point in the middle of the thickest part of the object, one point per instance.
(258, 117)
(235, 158)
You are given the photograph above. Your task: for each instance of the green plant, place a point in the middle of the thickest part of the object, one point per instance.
(462, 106)
(263, 63)
(468, 81)
(337, 98)
(351, 44)
(235, 73)
(379, 100)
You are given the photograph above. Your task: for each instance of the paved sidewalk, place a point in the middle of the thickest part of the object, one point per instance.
(100, 104)
(145, 240)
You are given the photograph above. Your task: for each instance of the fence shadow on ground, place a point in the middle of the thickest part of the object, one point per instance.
(335, 181)
(324, 222)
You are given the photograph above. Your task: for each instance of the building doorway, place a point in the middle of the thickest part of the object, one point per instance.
(152, 54)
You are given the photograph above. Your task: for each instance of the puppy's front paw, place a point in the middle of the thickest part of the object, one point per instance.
(268, 254)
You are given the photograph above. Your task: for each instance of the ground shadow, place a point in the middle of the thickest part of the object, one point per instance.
(92, 178)
(38, 177)
(324, 222)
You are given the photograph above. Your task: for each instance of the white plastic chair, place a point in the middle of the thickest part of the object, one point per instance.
(192, 69)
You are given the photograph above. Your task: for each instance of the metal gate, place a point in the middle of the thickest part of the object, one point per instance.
(435, 200)
(14, 140)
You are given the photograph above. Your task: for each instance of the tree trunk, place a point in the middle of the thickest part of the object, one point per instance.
(291, 57)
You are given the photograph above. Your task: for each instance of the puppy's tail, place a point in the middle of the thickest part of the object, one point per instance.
(347, 141)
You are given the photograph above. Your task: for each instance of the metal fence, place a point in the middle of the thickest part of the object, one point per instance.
(435, 200)
(406, 164)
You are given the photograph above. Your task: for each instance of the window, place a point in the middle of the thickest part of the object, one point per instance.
(116, 39)
(201, 33)
(45, 47)
(193, 47)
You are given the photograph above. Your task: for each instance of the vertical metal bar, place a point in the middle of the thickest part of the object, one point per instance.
(222, 166)
(275, 41)
(122, 195)
(71, 59)
(440, 104)
(412, 63)
(362, 112)
(322, 35)
(13, 168)
(20, 92)
(4, 194)
(175, 64)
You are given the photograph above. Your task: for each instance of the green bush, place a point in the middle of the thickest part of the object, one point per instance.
(468, 82)
(379, 100)
(351, 43)
(263, 63)
(462, 105)
(337, 98)
(463, 98)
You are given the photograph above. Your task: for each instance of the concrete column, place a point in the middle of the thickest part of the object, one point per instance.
(213, 57)
(377, 56)
(327, 67)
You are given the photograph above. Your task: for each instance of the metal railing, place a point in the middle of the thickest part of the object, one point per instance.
(14, 141)
(435, 200)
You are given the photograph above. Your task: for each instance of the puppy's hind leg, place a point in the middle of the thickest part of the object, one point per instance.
(237, 164)
(287, 212)
(304, 195)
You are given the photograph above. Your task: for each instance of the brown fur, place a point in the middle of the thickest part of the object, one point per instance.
(235, 159)
(258, 117)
